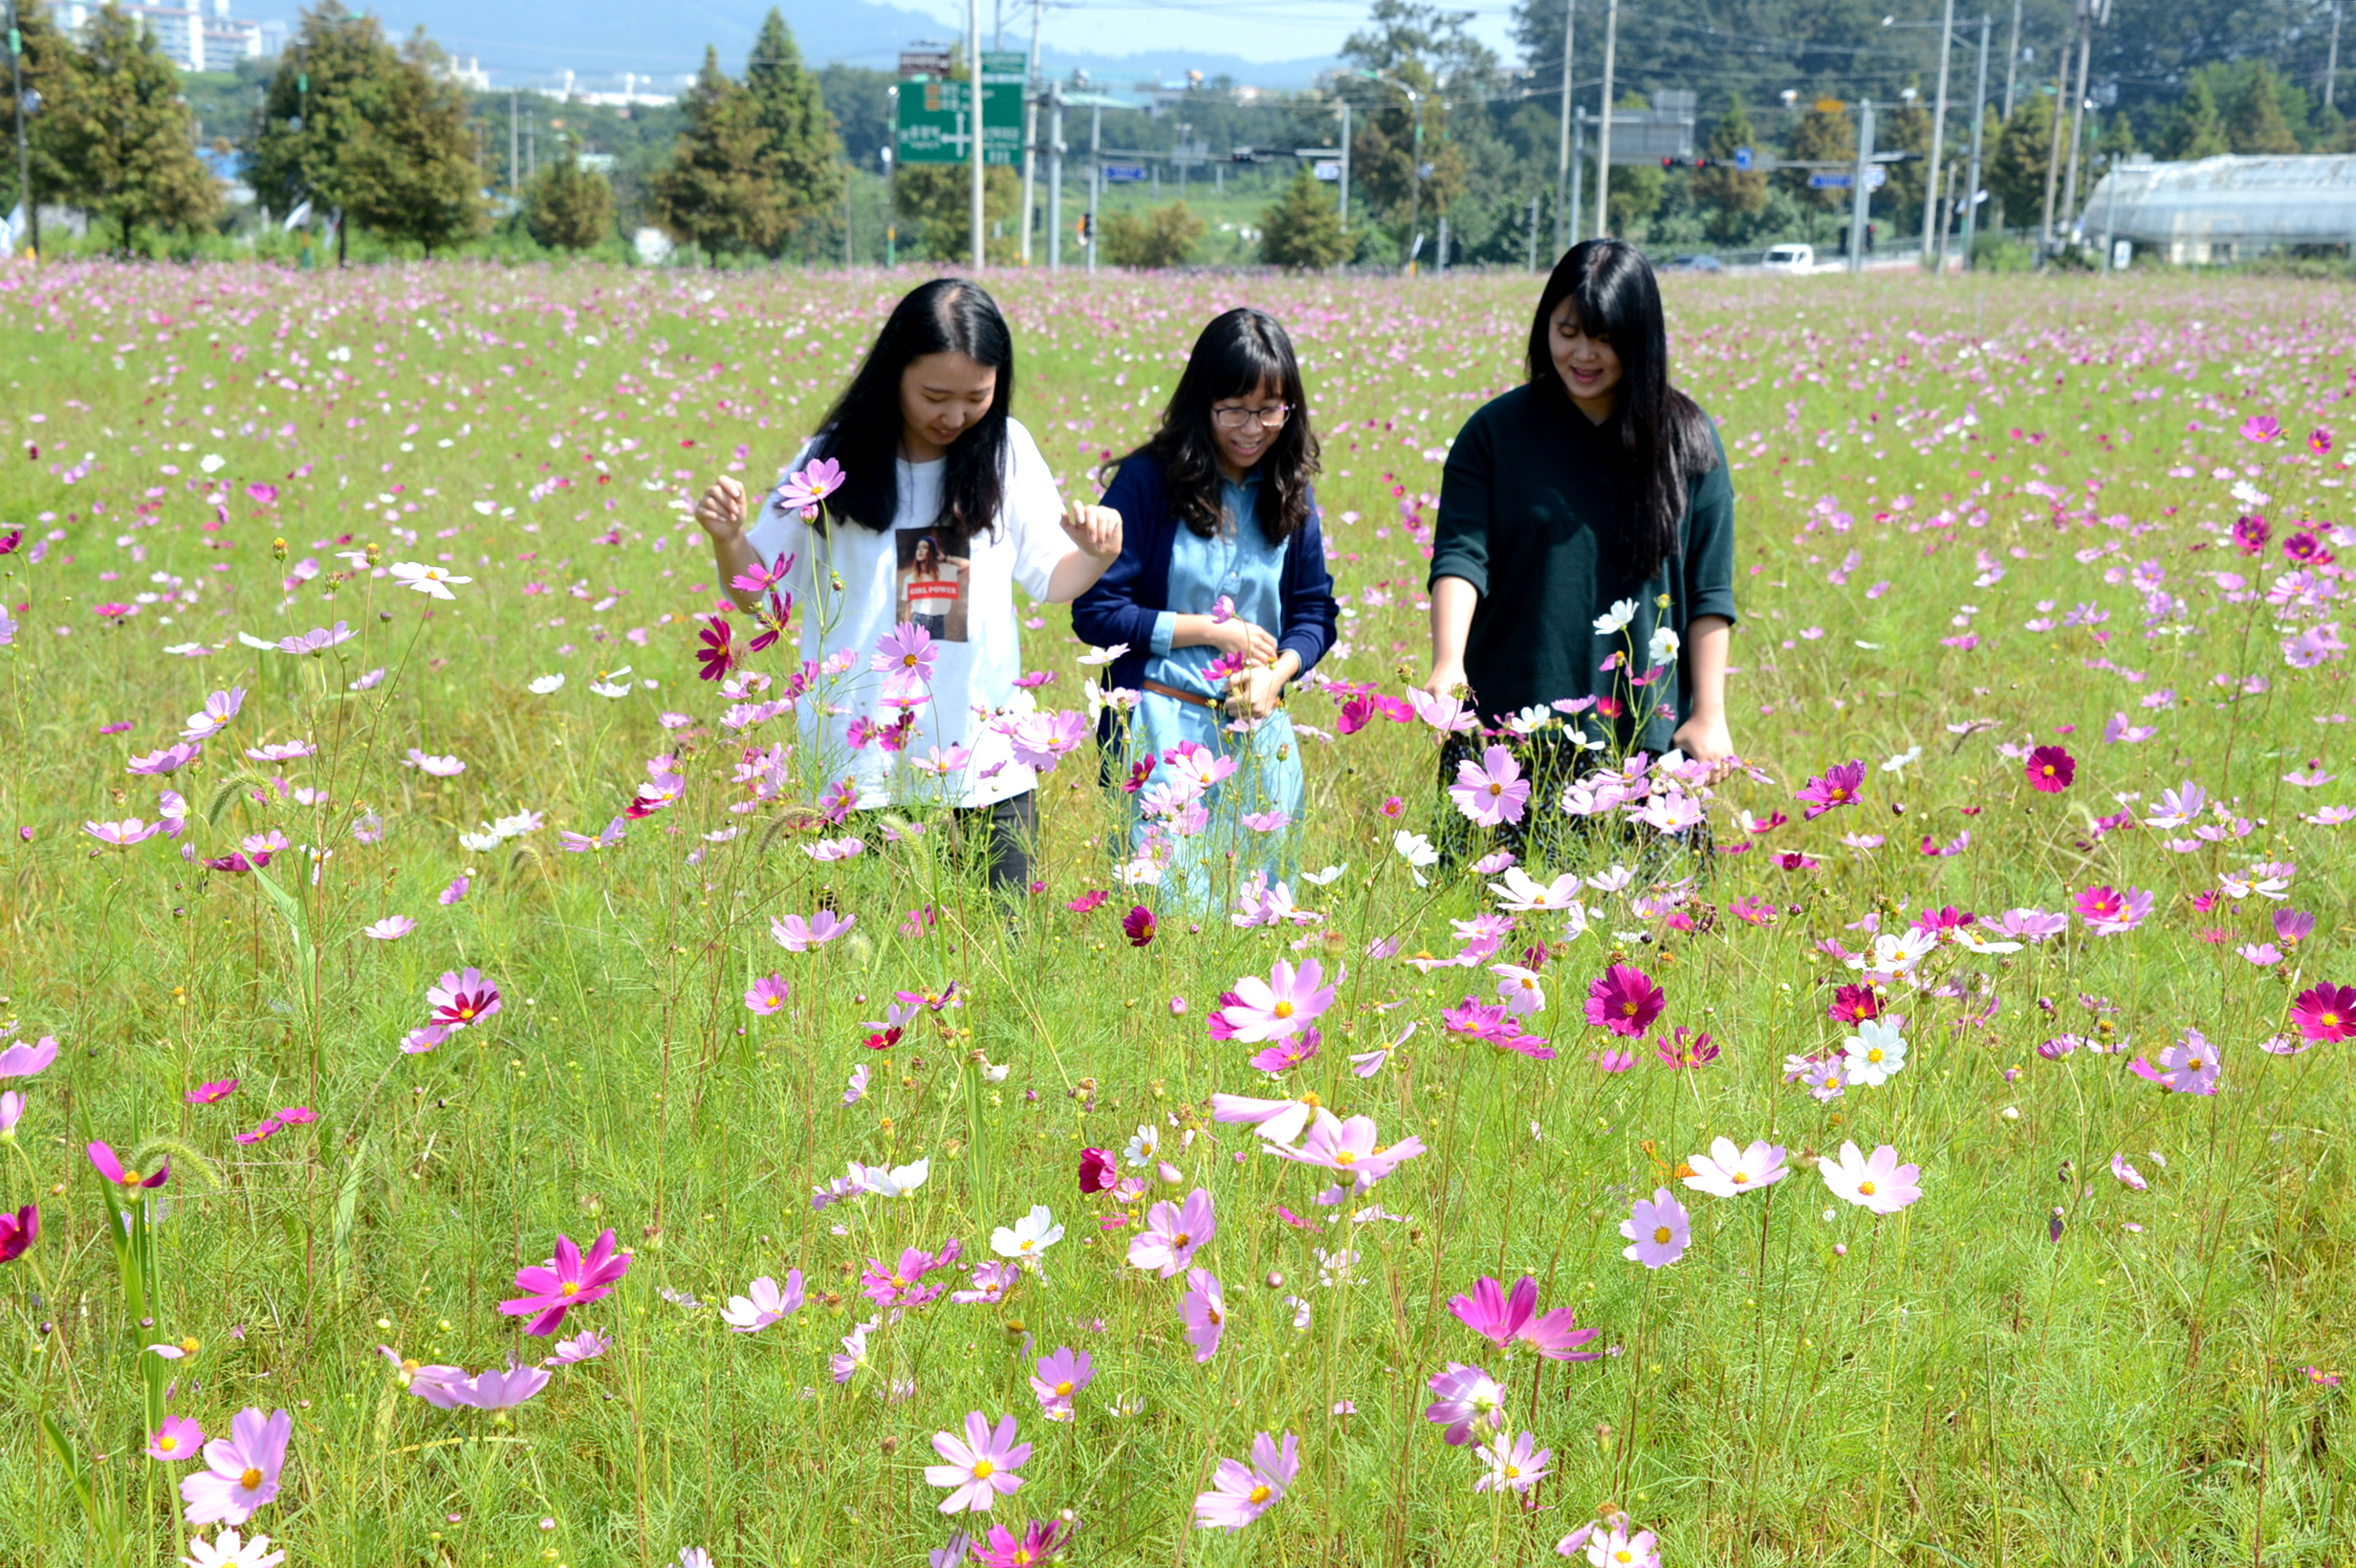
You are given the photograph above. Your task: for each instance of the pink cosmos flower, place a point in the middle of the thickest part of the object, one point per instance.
(1173, 1233)
(1877, 1181)
(2050, 769)
(496, 1390)
(980, 1469)
(764, 1304)
(1729, 1172)
(904, 657)
(1241, 1494)
(462, 998)
(1205, 1311)
(113, 1169)
(1058, 1377)
(716, 651)
(241, 1472)
(1471, 1403)
(1502, 1318)
(2261, 428)
(169, 760)
(1611, 1546)
(1657, 1229)
(1835, 787)
(2191, 1065)
(806, 489)
(1042, 740)
(178, 1439)
(2326, 1012)
(1491, 791)
(122, 835)
(391, 928)
(767, 995)
(796, 935)
(1283, 1004)
(2109, 911)
(566, 1281)
(1624, 1000)
(18, 1231)
(211, 1094)
(1041, 1543)
(2128, 1175)
(1349, 1148)
(1517, 1468)
(1097, 1171)
(26, 1057)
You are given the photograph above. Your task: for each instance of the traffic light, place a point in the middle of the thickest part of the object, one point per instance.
(1695, 163)
(1086, 226)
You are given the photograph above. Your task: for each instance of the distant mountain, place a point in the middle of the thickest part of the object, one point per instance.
(521, 41)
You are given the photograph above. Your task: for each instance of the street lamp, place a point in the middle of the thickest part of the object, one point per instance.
(1415, 183)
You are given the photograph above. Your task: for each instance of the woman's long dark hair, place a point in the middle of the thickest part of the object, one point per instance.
(1236, 354)
(862, 432)
(1664, 434)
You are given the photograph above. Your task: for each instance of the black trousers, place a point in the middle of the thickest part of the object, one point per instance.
(1004, 835)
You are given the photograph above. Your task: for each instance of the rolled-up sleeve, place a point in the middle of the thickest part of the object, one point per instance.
(1108, 613)
(1309, 608)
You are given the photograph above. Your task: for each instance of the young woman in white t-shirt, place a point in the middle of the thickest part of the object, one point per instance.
(939, 485)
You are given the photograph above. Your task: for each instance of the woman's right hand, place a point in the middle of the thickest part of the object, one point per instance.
(1242, 641)
(1447, 681)
(722, 510)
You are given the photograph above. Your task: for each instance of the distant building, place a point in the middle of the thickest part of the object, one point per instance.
(2224, 209)
(620, 92)
(195, 38)
(467, 73)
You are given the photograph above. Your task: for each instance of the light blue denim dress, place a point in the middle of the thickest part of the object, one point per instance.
(1240, 564)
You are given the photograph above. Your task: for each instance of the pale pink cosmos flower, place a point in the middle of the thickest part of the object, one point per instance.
(230, 1549)
(904, 657)
(1657, 1229)
(1173, 1234)
(493, 1390)
(1471, 1403)
(462, 997)
(241, 1471)
(767, 995)
(764, 1304)
(2191, 1065)
(2128, 1176)
(1279, 1121)
(1515, 1466)
(25, 1058)
(1042, 740)
(1205, 1311)
(122, 835)
(1282, 1005)
(1611, 1546)
(1729, 1172)
(1349, 1148)
(1239, 1494)
(806, 489)
(391, 928)
(1877, 1180)
(1060, 1377)
(1521, 989)
(178, 1439)
(1491, 793)
(797, 935)
(219, 708)
(981, 1469)
(586, 1346)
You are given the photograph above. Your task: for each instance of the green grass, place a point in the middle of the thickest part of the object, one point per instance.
(1952, 1387)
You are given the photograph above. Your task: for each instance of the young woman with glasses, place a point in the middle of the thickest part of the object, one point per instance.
(1221, 600)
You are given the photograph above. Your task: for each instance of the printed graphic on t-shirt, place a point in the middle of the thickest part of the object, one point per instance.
(933, 584)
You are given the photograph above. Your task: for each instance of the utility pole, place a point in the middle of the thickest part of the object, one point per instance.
(1579, 170)
(1031, 126)
(1054, 177)
(1603, 140)
(1096, 175)
(1979, 118)
(515, 169)
(1533, 234)
(1936, 260)
(2331, 67)
(2053, 152)
(2094, 12)
(1346, 165)
(24, 149)
(1860, 197)
(973, 117)
(1415, 185)
(1563, 151)
(2011, 62)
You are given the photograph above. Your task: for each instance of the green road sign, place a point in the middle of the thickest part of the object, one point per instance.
(935, 126)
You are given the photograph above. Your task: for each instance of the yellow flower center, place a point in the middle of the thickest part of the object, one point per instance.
(2331, 1020)
(1740, 1177)
(1628, 1010)
(252, 1479)
(1661, 1235)
(1023, 1556)
(1180, 1239)
(1063, 1390)
(465, 1011)
(190, 1345)
(1513, 1473)
(1311, 1099)
(2048, 769)
(1284, 1009)
(1496, 788)
(1026, 1244)
(168, 1442)
(1874, 1056)
(908, 660)
(130, 1177)
(1346, 1158)
(1865, 1187)
(2192, 1063)
(1261, 1492)
(571, 1287)
(983, 1469)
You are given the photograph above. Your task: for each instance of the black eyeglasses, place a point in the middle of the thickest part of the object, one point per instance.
(1271, 418)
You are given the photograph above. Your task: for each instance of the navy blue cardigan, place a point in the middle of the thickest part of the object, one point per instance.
(1134, 590)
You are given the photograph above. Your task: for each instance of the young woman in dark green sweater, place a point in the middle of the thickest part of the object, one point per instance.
(1583, 565)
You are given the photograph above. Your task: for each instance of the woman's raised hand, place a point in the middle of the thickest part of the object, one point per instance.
(1095, 530)
(722, 510)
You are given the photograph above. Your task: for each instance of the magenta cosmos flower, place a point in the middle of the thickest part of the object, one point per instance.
(241, 1471)
(18, 1231)
(981, 1469)
(1039, 1543)
(566, 1281)
(1097, 1171)
(1493, 1314)
(1624, 1000)
(1138, 925)
(2050, 769)
(716, 648)
(1877, 1180)
(2113, 911)
(1835, 787)
(1657, 1229)
(1491, 791)
(1173, 1234)
(1279, 1006)
(1205, 1311)
(2326, 1012)
(114, 1169)
(462, 998)
(1239, 1494)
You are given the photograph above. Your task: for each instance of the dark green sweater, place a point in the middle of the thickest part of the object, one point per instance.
(1533, 496)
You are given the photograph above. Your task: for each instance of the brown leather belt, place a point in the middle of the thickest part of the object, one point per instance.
(1215, 704)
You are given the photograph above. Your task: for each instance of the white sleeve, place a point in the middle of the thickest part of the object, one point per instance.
(1033, 513)
(776, 532)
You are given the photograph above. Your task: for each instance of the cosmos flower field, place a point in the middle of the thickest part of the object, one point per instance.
(473, 1099)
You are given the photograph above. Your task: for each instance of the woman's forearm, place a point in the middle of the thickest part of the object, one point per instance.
(1193, 631)
(1453, 603)
(1075, 574)
(734, 556)
(1705, 644)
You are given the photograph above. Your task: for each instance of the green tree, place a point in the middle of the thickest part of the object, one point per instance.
(568, 207)
(2255, 123)
(303, 142)
(1731, 194)
(409, 173)
(2016, 171)
(803, 153)
(936, 203)
(1303, 229)
(1164, 237)
(2196, 129)
(1823, 135)
(1425, 49)
(720, 191)
(124, 139)
(1904, 128)
(48, 71)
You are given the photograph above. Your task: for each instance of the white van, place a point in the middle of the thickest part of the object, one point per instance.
(1789, 258)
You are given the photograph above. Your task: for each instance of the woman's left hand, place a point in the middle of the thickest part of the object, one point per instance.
(1095, 530)
(1254, 693)
(1705, 738)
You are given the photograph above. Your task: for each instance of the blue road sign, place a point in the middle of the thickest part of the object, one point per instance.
(1125, 174)
(1742, 158)
(1822, 180)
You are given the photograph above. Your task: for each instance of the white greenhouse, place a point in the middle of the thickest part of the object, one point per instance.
(2222, 210)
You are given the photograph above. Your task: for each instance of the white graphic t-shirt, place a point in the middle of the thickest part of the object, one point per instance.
(960, 595)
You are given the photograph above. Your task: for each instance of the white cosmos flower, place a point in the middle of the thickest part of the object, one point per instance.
(427, 579)
(898, 1182)
(612, 684)
(1144, 1147)
(542, 684)
(229, 1549)
(1874, 1054)
(1664, 646)
(1615, 620)
(1028, 1237)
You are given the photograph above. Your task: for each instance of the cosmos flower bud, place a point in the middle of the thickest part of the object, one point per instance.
(1170, 1175)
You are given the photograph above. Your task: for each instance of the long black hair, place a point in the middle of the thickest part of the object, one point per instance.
(1236, 354)
(862, 432)
(1663, 434)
